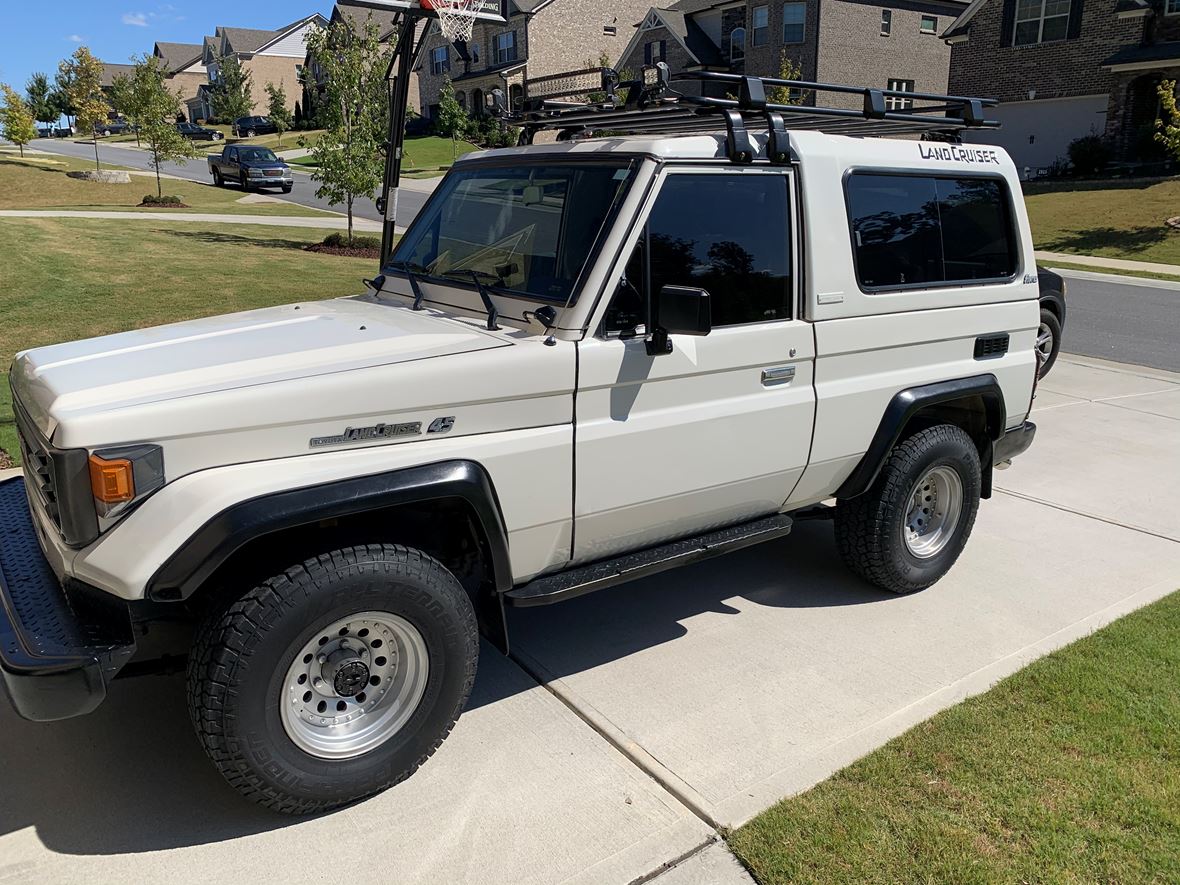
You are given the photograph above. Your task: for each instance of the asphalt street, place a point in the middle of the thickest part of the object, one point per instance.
(409, 202)
(1124, 319)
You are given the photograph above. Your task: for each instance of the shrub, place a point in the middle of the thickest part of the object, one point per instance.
(340, 241)
(1089, 155)
(166, 200)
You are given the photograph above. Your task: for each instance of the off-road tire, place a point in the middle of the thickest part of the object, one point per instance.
(869, 527)
(239, 663)
(1052, 325)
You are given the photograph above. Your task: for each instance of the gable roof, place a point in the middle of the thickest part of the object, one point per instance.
(961, 26)
(178, 56)
(687, 32)
(111, 71)
(359, 16)
(245, 39)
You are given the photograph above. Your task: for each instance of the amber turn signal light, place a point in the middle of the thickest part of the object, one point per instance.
(113, 482)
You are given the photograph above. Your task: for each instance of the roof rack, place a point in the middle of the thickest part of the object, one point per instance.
(582, 103)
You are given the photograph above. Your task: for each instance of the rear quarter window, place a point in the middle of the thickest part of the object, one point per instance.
(929, 231)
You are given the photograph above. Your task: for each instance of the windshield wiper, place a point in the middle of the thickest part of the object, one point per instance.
(484, 295)
(411, 275)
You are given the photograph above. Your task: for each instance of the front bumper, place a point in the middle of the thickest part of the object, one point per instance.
(1014, 442)
(60, 646)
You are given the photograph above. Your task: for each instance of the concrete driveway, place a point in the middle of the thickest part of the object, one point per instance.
(669, 708)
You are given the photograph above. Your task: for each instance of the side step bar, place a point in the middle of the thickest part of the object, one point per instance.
(610, 572)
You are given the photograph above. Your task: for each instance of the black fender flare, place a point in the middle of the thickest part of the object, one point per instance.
(906, 404)
(230, 530)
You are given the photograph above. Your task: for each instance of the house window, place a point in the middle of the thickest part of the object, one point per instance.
(929, 24)
(440, 60)
(1041, 21)
(1172, 7)
(474, 52)
(898, 102)
(886, 22)
(655, 52)
(505, 47)
(761, 25)
(737, 44)
(794, 22)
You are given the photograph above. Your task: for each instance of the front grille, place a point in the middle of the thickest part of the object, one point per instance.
(38, 464)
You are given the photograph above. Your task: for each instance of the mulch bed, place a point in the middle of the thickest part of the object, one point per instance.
(6, 462)
(344, 251)
(163, 206)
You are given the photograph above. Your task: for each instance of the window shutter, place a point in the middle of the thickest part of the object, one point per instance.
(647, 53)
(1075, 19)
(1008, 23)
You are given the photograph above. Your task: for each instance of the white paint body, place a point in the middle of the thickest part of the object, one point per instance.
(594, 448)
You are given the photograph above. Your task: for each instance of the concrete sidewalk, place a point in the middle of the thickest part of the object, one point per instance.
(331, 222)
(1097, 261)
(631, 724)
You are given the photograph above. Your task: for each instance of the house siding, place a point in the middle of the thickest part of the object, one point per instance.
(277, 70)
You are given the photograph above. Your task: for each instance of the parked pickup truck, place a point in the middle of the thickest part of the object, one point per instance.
(251, 167)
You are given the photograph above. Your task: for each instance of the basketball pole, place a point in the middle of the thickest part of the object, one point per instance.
(401, 67)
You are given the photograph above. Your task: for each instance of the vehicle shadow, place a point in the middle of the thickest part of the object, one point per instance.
(224, 239)
(132, 778)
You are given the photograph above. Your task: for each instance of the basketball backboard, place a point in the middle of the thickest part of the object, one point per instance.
(492, 10)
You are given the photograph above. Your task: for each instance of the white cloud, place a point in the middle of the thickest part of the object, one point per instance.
(138, 19)
(76, 38)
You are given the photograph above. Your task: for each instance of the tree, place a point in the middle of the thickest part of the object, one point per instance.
(64, 83)
(156, 107)
(233, 93)
(353, 110)
(40, 99)
(1168, 125)
(16, 119)
(125, 100)
(83, 72)
(787, 70)
(451, 121)
(276, 109)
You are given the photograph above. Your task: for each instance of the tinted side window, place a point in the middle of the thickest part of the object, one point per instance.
(727, 234)
(911, 230)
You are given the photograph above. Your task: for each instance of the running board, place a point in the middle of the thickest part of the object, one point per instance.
(632, 566)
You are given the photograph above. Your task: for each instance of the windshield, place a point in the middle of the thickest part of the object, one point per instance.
(528, 229)
(257, 155)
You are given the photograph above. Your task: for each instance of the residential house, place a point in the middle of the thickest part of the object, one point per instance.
(184, 65)
(269, 56)
(892, 44)
(111, 71)
(1064, 69)
(539, 38)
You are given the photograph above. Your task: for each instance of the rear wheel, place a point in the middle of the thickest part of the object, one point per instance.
(907, 531)
(218, 181)
(1048, 341)
(336, 679)
(250, 133)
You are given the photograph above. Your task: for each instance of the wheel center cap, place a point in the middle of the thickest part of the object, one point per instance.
(350, 678)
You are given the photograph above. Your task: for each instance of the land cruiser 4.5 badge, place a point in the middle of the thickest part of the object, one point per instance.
(382, 431)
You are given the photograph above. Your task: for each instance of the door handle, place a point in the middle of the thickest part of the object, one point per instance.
(778, 376)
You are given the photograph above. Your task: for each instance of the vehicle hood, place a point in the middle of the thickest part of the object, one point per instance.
(231, 352)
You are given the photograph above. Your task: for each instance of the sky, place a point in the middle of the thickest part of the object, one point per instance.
(35, 36)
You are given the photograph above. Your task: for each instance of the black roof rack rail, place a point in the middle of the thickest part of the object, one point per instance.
(597, 100)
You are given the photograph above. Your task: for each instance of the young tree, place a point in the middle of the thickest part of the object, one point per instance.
(39, 94)
(125, 100)
(349, 159)
(16, 119)
(1168, 125)
(83, 72)
(155, 107)
(452, 121)
(787, 70)
(233, 93)
(64, 86)
(276, 109)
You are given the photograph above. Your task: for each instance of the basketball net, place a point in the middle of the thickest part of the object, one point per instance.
(456, 18)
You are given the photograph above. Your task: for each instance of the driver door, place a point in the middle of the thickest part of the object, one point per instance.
(718, 431)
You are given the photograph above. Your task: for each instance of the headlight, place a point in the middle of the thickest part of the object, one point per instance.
(121, 477)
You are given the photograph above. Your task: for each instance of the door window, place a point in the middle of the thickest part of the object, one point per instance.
(729, 234)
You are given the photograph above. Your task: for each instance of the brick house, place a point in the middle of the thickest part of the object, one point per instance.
(269, 56)
(1064, 69)
(184, 64)
(891, 44)
(539, 38)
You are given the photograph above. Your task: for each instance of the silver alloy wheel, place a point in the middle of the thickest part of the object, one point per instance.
(355, 685)
(936, 506)
(1045, 342)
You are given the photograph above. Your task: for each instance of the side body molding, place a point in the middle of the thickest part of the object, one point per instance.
(229, 531)
(908, 403)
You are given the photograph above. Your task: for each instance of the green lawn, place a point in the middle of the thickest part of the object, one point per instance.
(1068, 771)
(40, 182)
(425, 153)
(71, 279)
(1111, 219)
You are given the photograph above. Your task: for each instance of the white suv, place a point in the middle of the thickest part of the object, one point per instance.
(586, 362)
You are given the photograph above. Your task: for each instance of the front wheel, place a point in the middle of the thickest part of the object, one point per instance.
(1048, 341)
(335, 679)
(287, 188)
(909, 528)
(250, 133)
(244, 182)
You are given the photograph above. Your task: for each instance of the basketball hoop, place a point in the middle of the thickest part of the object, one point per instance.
(456, 18)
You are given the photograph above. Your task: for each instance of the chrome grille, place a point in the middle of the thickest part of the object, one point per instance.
(39, 474)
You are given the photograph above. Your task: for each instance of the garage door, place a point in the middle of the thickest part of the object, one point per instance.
(1036, 133)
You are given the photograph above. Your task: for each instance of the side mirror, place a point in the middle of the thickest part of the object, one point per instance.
(681, 310)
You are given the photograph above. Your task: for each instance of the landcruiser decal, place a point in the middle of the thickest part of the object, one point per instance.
(366, 434)
(958, 153)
